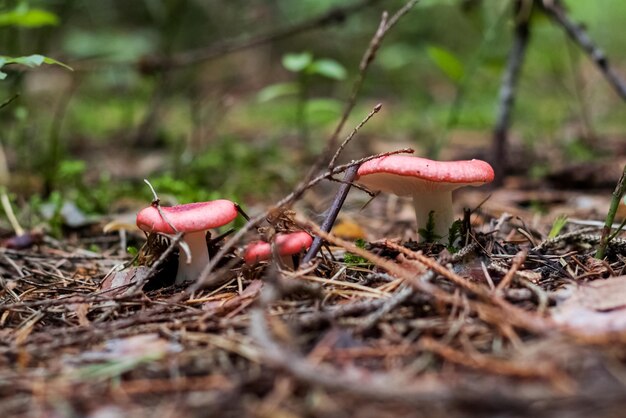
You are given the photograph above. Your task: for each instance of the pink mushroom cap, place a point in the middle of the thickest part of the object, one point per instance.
(190, 217)
(405, 175)
(429, 183)
(287, 244)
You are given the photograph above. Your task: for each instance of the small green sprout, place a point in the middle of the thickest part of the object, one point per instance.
(557, 226)
(353, 259)
(428, 233)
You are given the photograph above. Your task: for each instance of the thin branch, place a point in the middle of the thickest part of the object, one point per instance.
(335, 207)
(517, 262)
(368, 57)
(507, 89)
(555, 10)
(334, 16)
(9, 101)
(176, 239)
(343, 145)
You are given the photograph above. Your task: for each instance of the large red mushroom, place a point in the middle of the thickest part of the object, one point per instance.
(194, 220)
(430, 184)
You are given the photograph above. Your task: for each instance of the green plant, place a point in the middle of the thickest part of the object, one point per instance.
(30, 61)
(353, 260)
(307, 68)
(455, 233)
(27, 17)
(606, 237)
(557, 226)
(428, 232)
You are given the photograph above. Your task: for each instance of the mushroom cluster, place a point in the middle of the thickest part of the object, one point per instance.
(429, 183)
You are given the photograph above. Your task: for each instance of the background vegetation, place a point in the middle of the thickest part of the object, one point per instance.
(245, 125)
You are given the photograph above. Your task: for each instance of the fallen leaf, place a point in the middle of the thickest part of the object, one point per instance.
(237, 303)
(117, 282)
(595, 307)
(349, 230)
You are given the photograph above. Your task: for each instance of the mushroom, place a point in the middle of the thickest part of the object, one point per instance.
(192, 219)
(429, 183)
(288, 245)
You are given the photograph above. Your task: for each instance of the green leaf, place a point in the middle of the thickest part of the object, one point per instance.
(297, 62)
(353, 260)
(277, 90)
(30, 61)
(558, 224)
(29, 18)
(328, 68)
(446, 62)
(323, 111)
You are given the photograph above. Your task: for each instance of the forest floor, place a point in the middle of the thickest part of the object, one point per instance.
(510, 323)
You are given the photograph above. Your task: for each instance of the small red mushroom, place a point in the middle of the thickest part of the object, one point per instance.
(193, 219)
(286, 244)
(429, 183)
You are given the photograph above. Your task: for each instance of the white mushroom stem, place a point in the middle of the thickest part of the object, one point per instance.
(441, 203)
(191, 269)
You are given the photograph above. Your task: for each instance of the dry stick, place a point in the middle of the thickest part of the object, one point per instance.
(311, 320)
(507, 91)
(554, 9)
(517, 262)
(369, 55)
(335, 207)
(620, 188)
(9, 101)
(153, 268)
(397, 299)
(333, 16)
(497, 366)
(343, 145)
(376, 386)
(405, 292)
(382, 386)
(494, 312)
(342, 193)
(309, 180)
(550, 242)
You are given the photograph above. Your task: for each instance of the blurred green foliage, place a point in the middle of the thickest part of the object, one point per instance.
(234, 126)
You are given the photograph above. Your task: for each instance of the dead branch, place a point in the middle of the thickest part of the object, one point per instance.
(506, 101)
(555, 10)
(334, 16)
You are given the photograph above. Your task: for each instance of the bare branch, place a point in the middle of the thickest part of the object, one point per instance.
(555, 10)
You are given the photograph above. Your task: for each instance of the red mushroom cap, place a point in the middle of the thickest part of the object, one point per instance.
(191, 217)
(287, 244)
(406, 175)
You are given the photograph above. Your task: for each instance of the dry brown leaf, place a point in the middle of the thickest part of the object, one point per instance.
(595, 307)
(237, 303)
(118, 282)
